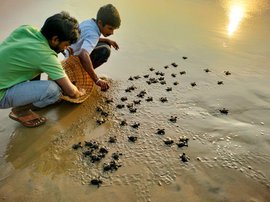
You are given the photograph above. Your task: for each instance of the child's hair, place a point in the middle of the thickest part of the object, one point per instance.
(109, 15)
(62, 25)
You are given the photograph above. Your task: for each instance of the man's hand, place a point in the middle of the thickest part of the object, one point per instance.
(81, 92)
(103, 84)
(78, 92)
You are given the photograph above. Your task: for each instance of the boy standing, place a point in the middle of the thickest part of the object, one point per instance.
(93, 50)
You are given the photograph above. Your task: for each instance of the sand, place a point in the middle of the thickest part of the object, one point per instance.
(228, 153)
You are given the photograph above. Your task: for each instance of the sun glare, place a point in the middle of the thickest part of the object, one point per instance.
(236, 15)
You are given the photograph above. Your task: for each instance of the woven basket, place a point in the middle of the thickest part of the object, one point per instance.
(79, 77)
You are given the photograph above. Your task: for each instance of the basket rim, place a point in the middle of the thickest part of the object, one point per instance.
(77, 74)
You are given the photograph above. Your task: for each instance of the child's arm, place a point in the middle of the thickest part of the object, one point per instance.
(110, 42)
(88, 66)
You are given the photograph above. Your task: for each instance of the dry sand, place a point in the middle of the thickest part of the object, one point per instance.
(229, 156)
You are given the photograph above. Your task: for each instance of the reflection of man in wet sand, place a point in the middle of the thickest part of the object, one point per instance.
(28, 52)
(92, 50)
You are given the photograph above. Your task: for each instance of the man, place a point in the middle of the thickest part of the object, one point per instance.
(28, 52)
(93, 50)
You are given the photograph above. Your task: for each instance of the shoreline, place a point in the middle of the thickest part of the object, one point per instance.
(228, 152)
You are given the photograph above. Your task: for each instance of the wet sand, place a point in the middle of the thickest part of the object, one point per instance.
(228, 154)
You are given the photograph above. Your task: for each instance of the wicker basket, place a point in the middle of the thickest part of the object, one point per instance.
(79, 77)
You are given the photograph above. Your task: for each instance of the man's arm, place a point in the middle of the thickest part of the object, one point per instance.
(68, 88)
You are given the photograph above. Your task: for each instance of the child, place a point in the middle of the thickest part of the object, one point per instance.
(93, 50)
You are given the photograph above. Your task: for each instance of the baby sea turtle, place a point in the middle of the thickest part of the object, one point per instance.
(123, 98)
(161, 78)
(137, 102)
(105, 114)
(130, 78)
(169, 89)
(135, 125)
(173, 119)
(151, 80)
(149, 99)
(184, 157)
(146, 76)
(193, 84)
(96, 157)
(227, 73)
(174, 64)
(91, 144)
(173, 75)
(163, 99)
(207, 70)
(112, 139)
(224, 111)
(175, 83)
(103, 150)
(131, 88)
(151, 69)
(166, 67)
(96, 182)
(141, 94)
(137, 77)
(112, 166)
(132, 138)
(220, 82)
(130, 105)
(77, 146)
(120, 106)
(116, 155)
(132, 110)
(100, 121)
(183, 72)
(183, 142)
(160, 73)
(160, 131)
(123, 123)
(184, 57)
(87, 152)
(109, 100)
(162, 82)
(99, 109)
(102, 112)
(168, 141)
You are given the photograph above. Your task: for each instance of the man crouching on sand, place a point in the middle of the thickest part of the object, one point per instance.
(28, 52)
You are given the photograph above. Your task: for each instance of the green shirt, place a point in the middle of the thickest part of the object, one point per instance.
(25, 54)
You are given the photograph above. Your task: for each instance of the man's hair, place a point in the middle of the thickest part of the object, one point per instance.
(62, 25)
(109, 15)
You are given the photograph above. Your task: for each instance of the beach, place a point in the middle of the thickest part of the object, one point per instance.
(187, 113)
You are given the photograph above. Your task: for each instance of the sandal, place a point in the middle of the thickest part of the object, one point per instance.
(28, 119)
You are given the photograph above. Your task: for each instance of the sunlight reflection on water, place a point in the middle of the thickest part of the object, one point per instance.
(238, 10)
(236, 15)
